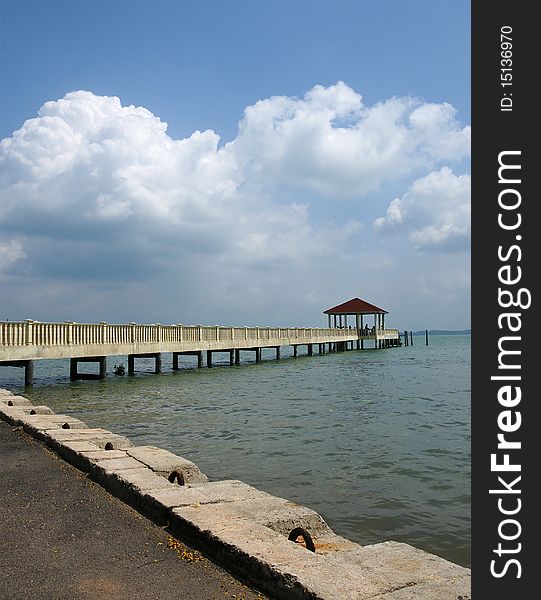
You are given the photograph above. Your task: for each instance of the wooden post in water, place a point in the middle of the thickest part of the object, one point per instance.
(411, 337)
(405, 338)
(426, 336)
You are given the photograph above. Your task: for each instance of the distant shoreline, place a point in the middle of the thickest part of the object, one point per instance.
(443, 332)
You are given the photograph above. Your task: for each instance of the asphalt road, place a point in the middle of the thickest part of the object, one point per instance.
(62, 537)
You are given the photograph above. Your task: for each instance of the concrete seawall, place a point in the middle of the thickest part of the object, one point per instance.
(287, 550)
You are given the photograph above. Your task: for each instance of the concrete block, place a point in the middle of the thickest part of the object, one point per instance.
(264, 545)
(327, 582)
(13, 414)
(37, 425)
(95, 456)
(117, 464)
(280, 515)
(40, 409)
(230, 490)
(102, 438)
(385, 568)
(328, 543)
(159, 503)
(269, 511)
(129, 485)
(167, 464)
(84, 455)
(249, 549)
(447, 589)
(11, 400)
(399, 564)
(4, 392)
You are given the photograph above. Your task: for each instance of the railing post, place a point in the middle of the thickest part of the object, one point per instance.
(232, 333)
(69, 332)
(246, 333)
(217, 333)
(180, 332)
(132, 333)
(257, 333)
(200, 333)
(158, 332)
(29, 332)
(104, 332)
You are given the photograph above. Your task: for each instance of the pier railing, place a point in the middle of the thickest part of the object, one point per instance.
(35, 333)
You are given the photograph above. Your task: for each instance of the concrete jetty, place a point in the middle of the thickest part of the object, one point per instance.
(286, 550)
(22, 343)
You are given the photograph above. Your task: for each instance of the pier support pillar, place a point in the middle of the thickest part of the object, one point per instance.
(237, 357)
(209, 358)
(295, 350)
(258, 355)
(310, 349)
(28, 373)
(175, 361)
(277, 352)
(74, 364)
(27, 365)
(157, 361)
(231, 358)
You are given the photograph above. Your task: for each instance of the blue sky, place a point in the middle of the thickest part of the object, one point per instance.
(333, 160)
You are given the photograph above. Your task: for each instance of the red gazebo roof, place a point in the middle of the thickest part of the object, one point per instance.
(355, 306)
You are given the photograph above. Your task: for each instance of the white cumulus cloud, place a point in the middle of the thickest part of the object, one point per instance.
(93, 190)
(434, 213)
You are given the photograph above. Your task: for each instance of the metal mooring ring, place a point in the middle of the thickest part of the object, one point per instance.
(300, 532)
(178, 477)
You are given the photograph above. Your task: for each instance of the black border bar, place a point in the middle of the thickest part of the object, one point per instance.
(506, 350)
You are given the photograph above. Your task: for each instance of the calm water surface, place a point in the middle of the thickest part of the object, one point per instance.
(376, 441)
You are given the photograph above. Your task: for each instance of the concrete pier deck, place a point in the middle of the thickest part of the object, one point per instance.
(64, 537)
(22, 343)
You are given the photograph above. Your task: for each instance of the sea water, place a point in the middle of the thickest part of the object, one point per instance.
(376, 441)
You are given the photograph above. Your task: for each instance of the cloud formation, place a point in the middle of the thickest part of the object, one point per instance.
(435, 212)
(90, 182)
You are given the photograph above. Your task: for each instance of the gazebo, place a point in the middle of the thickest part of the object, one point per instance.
(358, 308)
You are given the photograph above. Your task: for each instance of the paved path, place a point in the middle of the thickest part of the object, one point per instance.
(62, 537)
